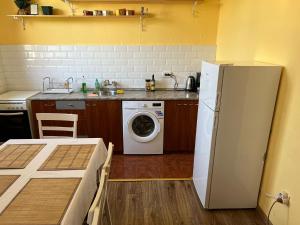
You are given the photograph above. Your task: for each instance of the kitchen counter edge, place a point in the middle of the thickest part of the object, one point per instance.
(128, 95)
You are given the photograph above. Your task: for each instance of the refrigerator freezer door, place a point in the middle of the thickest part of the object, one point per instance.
(204, 152)
(211, 84)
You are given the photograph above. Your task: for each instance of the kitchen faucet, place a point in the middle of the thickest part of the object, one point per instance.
(44, 79)
(68, 82)
(171, 75)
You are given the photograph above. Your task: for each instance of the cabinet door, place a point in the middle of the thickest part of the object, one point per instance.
(40, 107)
(180, 126)
(50, 107)
(105, 121)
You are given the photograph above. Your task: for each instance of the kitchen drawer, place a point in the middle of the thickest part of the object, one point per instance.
(70, 105)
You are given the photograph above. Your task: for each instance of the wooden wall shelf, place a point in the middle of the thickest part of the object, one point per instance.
(71, 16)
(72, 8)
(130, 1)
(22, 18)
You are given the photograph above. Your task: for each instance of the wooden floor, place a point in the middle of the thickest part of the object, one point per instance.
(168, 203)
(152, 166)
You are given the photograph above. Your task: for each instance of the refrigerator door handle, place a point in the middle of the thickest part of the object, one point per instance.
(265, 157)
(218, 100)
(216, 120)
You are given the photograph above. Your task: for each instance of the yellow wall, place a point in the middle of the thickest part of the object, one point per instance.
(171, 24)
(269, 31)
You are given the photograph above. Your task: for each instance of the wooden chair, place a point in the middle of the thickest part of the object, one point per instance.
(107, 162)
(57, 117)
(99, 212)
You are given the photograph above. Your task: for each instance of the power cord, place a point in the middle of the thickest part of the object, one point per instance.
(268, 219)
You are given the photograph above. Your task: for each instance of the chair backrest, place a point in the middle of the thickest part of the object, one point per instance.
(96, 220)
(96, 210)
(56, 117)
(107, 162)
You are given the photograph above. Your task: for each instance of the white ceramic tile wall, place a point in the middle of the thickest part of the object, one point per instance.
(24, 66)
(2, 78)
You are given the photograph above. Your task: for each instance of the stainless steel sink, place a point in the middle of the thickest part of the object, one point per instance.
(108, 93)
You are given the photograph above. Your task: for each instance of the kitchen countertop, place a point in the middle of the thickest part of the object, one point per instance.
(128, 95)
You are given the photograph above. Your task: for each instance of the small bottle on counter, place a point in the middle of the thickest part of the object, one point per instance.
(83, 85)
(97, 85)
(147, 85)
(152, 83)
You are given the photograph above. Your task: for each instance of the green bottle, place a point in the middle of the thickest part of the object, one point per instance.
(97, 85)
(83, 85)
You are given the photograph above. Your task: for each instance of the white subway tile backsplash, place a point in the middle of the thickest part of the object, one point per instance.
(67, 48)
(133, 48)
(22, 67)
(120, 48)
(172, 48)
(87, 55)
(146, 48)
(53, 48)
(107, 48)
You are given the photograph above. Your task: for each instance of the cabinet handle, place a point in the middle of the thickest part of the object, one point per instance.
(182, 104)
(49, 105)
(71, 105)
(90, 105)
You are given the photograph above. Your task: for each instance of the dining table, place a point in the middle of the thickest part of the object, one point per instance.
(49, 181)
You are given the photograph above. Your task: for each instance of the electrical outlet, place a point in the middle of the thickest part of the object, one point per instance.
(166, 72)
(283, 197)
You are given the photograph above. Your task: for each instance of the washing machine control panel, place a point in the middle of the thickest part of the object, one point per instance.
(156, 104)
(159, 114)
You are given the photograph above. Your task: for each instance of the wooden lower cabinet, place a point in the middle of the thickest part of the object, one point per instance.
(180, 126)
(41, 106)
(103, 118)
(105, 121)
(98, 119)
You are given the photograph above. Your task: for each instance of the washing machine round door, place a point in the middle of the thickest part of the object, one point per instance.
(143, 126)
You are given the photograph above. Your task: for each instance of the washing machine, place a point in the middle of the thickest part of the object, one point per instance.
(143, 127)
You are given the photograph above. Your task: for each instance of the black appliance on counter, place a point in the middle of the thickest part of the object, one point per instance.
(198, 76)
(191, 84)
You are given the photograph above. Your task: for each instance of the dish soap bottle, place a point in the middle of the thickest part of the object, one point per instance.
(97, 85)
(152, 83)
(83, 85)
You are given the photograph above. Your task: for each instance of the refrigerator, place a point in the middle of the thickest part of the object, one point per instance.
(236, 107)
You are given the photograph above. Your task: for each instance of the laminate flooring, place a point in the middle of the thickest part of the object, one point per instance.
(168, 203)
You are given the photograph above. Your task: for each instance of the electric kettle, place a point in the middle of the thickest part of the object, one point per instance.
(190, 84)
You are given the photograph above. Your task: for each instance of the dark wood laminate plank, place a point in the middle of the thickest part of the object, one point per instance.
(169, 203)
